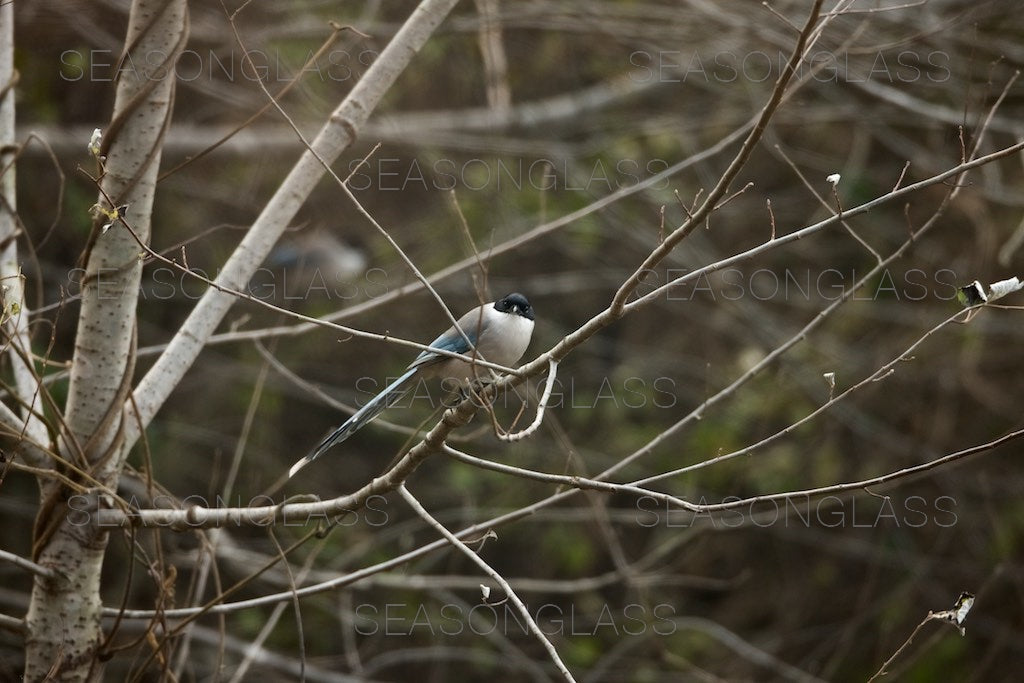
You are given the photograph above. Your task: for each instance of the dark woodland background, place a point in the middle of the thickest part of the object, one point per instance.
(815, 587)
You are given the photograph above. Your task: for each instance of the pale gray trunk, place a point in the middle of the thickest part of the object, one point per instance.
(63, 620)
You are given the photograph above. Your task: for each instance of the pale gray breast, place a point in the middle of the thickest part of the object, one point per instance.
(505, 340)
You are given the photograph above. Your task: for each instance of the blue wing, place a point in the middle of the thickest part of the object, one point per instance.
(450, 340)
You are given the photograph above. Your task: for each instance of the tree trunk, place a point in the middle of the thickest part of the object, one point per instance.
(63, 621)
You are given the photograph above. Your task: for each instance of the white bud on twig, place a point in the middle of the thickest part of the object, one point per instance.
(94, 142)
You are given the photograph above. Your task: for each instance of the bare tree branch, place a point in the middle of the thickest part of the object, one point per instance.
(495, 576)
(332, 139)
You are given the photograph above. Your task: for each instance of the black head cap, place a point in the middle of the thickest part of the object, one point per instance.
(516, 304)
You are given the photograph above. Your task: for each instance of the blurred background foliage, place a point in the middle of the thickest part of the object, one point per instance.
(602, 95)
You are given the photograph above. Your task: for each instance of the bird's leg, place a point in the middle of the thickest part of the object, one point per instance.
(471, 388)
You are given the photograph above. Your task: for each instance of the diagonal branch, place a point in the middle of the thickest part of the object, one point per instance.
(495, 576)
(336, 135)
(711, 202)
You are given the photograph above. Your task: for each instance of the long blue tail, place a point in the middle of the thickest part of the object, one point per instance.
(388, 397)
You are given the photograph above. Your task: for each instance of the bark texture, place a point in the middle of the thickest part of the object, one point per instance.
(64, 638)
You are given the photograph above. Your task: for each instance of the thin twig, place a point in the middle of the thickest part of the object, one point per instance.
(802, 233)
(541, 405)
(28, 565)
(837, 212)
(903, 173)
(624, 292)
(881, 373)
(882, 670)
(495, 576)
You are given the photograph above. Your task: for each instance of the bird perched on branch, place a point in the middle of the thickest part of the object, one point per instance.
(497, 332)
